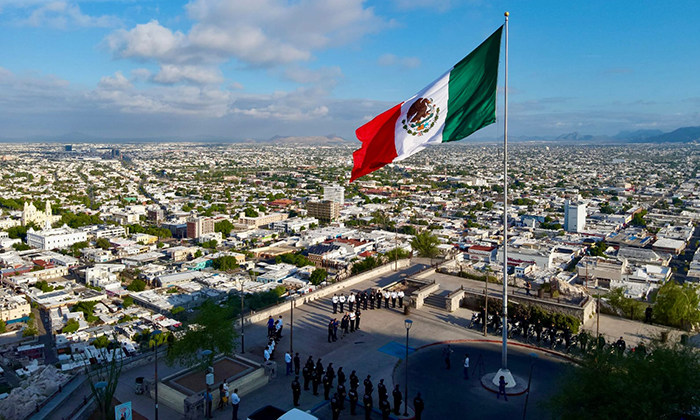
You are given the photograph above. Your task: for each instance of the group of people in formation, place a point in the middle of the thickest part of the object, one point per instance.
(314, 375)
(274, 334)
(350, 320)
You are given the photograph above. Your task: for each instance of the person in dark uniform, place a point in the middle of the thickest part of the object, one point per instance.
(330, 372)
(296, 391)
(379, 299)
(367, 402)
(446, 354)
(364, 301)
(307, 377)
(382, 391)
(352, 395)
(316, 379)
(385, 407)
(326, 387)
(335, 406)
(396, 393)
(418, 406)
(330, 331)
(502, 388)
(319, 368)
(354, 380)
(342, 393)
(341, 376)
(621, 346)
(647, 314)
(371, 300)
(538, 330)
(297, 364)
(368, 386)
(310, 363)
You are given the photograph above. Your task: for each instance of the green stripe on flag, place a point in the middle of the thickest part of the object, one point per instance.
(472, 90)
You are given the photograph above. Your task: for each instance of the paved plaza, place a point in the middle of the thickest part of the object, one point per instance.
(377, 350)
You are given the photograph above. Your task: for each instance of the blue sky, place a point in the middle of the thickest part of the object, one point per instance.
(255, 69)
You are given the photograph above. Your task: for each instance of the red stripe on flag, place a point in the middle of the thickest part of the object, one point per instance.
(378, 148)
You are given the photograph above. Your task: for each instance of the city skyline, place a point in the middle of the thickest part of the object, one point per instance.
(128, 69)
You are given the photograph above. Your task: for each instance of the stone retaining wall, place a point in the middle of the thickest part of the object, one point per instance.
(419, 295)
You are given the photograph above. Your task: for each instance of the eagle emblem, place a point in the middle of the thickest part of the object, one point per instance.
(421, 117)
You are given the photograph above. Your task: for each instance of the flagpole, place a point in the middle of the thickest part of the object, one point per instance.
(504, 356)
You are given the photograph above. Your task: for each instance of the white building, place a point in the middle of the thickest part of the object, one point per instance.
(294, 225)
(574, 216)
(55, 238)
(334, 193)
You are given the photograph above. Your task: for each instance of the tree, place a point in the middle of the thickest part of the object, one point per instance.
(426, 244)
(137, 285)
(101, 342)
(198, 253)
(128, 301)
(3, 326)
(604, 385)
(318, 276)
(107, 375)
(677, 305)
(225, 263)
(30, 331)
(598, 249)
(176, 310)
(224, 226)
(249, 212)
(21, 246)
(103, 243)
(71, 326)
(214, 330)
(488, 205)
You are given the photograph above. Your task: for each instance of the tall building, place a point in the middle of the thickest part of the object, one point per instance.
(334, 193)
(55, 238)
(574, 216)
(155, 214)
(325, 210)
(199, 226)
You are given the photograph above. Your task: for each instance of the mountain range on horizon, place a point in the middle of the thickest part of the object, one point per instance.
(680, 135)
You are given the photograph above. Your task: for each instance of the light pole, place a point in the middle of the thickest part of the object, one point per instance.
(407, 323)
(155, 334)
(242, 321)
(291, 327)
(533, 357)
(205, 354)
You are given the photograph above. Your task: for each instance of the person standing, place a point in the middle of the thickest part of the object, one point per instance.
(371, 300)
(270, 326)
(316, 381)
(330, 372)
(220, 406)
(310, 363)
(379, 299)
(334, 299)
(387, 295)
(326, 387)
(351, 301)
(235, 403)
(418, 406)
(344, 325)
(266, 354)
(621, 346)
(354, 380)
(297, 364)
(400, 296)
(296, 391)
(341, 302)
(341, 376)
(306, 372)
(288, 362)
(319, 368)
(368, 386)
(352, 321)
(385, 407)
(280, 325)
(394, 296)
(381, 390)
(502, 388)
(396, 393)
(227, 396)
(352, 395)
(528, 287)
(208, 402)
(342, 393)
(367, 402)
(648, 312)
(335, 406)
(336, 324)
(466, 366)
(330, 331)
(446, 354)
(357, 319)
(364, 301)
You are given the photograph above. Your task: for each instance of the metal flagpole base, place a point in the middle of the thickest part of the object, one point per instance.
(514, 385)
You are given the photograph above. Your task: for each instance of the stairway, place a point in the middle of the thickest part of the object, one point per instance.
(436, 300)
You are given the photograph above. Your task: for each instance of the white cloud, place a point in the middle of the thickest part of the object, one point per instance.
(390, 60)
(60, 14)
(118, 82)
(140, 74)
(171, 74)
(261, 32)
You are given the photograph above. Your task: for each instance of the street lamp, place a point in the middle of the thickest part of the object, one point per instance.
(533, 357)
(155, 334)
(407, 323)
(291, 326)
(242, 320)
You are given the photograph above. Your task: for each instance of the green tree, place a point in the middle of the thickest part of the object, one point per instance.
(103, 243)
(101, 342)
(249, 212)
(604, 385)
(629, 307)
(224, 226)
(598, 249)
(44, 286)
(31, 330)
(215, 331)
(128, 301)
(225, 263)
(71, 326)
(426, 244)
(176, 310)
(21, 246)
(677, 305)
(137, 285)
(318, 276)
(3, 326)
(488, 205)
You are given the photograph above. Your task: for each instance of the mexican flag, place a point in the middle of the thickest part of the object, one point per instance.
(458, 103)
